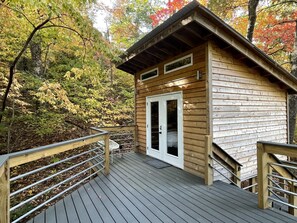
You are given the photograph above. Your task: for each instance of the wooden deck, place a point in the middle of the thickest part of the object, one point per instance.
(137, 192)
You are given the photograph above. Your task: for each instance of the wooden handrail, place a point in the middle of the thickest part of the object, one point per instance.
(265, 156)
(14, 159)
(116, 129)
(29, 155)
(228, 161)
(4, 190)
(215, 151)
(224, 156)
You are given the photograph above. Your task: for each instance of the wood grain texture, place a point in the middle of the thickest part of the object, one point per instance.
(194, 106)
(4, 193)
(247, 108)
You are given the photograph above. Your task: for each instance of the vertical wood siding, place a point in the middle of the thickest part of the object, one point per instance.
(194, 103)
(247, 108)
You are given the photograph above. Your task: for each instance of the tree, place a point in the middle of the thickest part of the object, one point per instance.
(74, 87)
(129, 20)
(252, 7)
(170, 8)
(276, 35)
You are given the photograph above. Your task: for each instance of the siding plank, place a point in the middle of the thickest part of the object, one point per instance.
(246, 108)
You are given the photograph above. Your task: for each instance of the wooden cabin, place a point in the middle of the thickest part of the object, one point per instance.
(199, 82)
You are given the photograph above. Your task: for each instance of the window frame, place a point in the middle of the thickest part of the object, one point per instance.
(178, 68)
(155, 69)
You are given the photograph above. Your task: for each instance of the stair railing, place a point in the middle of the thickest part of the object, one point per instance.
(277, 182)
(216, 155)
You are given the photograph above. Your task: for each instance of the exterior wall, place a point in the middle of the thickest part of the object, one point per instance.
(194, 106)
(246, 108)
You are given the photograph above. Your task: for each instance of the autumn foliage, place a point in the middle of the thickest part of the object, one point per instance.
(275, 34)
(170, 8)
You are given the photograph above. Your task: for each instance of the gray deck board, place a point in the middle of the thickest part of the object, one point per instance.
(147, 214)
(40, 218)
(137, 192)
(50, 215)
(148, 208)
(163, 186)
(215, 204)
(198, 199)
(116, 215)
(60, 212)
(70, 210)
(104, 213)
(91, 209)
(80, 208)
(122, 208)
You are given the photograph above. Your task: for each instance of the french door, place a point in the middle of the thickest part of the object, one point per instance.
(164, 136)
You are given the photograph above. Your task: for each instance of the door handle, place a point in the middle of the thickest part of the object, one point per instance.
(160, 132)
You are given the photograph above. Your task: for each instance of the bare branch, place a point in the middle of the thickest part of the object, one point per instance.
(71, 29)
(276, 51)
(286, 21)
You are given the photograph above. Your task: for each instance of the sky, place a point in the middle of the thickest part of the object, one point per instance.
(100, 15)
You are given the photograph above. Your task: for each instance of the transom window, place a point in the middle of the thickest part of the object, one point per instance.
(149, 74)
(180, 63)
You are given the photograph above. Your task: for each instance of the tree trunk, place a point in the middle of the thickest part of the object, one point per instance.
(252, 7)
(35, 49)
(16, 60)
(293, 98)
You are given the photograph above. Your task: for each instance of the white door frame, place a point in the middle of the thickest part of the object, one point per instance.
(162, 154)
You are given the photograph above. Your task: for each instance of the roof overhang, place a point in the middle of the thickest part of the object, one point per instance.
(192, 26)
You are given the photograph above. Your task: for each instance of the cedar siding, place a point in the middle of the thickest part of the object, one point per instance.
(194, 106)
(246, 108)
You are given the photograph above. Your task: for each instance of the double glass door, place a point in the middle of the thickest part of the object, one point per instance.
(164, 128)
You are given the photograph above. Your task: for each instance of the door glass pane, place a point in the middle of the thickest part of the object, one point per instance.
(155, 125)
(172, 127)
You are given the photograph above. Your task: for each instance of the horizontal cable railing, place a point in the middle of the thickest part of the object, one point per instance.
(223, 173)
(58, 168)
(230, 168)
(125, 136)
(250, 184)
(277, 181)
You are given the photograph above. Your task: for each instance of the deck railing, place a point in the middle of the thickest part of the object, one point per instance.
(216, 155)
(63, 167)
(125, 136)
(252, 184)
(277, 182)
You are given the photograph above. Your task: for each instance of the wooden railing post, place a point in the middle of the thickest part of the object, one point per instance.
(4, 191)
(253, 182)
(106, 143)
(263, 170)
(236, 179)
(135, 138)
(292, 199)
(208, 161)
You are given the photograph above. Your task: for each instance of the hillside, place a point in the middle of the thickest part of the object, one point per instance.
(65, 80)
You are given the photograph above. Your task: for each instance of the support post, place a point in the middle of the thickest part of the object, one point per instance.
(135, 138)
(293, 199)
(253, 182)
(106, 150)
(236, 179)
(208, 161)
(263, 170)
(4, 191)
